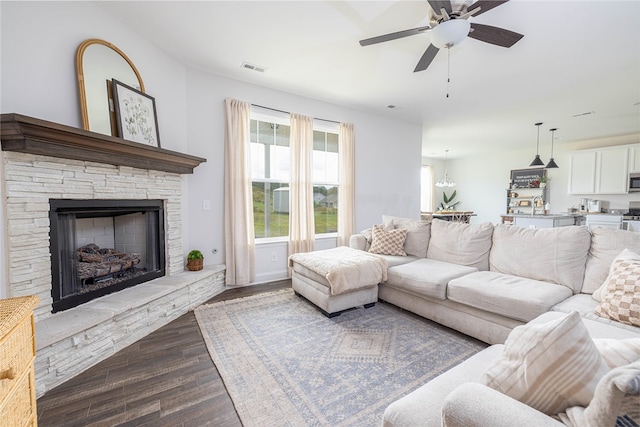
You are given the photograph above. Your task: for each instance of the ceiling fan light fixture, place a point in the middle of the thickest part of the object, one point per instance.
(450, 33)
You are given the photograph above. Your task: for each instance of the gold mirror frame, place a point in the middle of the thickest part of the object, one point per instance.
(94, 86)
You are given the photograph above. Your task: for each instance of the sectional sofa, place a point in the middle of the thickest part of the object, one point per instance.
(485, 281)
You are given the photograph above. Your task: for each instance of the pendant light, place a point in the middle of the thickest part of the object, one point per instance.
(537, 161)
(445, 182)
(552, 163)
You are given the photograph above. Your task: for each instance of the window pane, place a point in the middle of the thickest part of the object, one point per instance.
(282, 135)
(257, 161)
(265, 133)
(319, 140)
(253, 126)
(270, 209)
(332, 142)
(279, 162)
(325, 206)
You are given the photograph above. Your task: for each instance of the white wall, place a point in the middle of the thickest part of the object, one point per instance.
(387, 163)
(38, 79)
(482, 180)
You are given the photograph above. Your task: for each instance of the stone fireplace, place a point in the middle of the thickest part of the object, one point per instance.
(71, 196)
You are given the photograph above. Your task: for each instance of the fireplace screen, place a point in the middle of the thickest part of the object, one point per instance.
(103, 246)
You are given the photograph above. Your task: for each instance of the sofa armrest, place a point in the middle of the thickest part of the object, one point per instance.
(358, 241)
(473, 404)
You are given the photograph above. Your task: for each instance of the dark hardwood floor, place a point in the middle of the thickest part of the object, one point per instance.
(164, 379)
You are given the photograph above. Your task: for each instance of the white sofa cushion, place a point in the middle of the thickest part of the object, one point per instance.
(549, 366)
(459, 243)
(556, 255)
(418, 233)
(426, 277)
(606, 245)
(515, 297)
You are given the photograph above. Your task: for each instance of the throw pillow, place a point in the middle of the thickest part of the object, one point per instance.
(626, 255)
(622, 300)
(387, 242)
(618, 352)
(418, 233)
(549, 366)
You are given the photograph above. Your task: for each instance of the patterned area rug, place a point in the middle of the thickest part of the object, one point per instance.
(285, 364)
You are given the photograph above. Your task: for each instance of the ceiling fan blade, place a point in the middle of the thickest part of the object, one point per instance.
(485, 5)
(494, 35)
(426, 59)
(436, 5)
(393, 36)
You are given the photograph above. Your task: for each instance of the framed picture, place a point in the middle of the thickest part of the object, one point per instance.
(135, 115)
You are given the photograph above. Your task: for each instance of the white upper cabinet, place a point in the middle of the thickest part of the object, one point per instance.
(582, 172)
(634, 159)
(612, 171)
(602, 170)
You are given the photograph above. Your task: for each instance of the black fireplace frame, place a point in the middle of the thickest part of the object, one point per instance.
(100, 208)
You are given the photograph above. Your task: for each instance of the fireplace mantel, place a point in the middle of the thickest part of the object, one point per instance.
(40, 137)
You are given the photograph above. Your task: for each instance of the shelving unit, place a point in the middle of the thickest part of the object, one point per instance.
(528, 201)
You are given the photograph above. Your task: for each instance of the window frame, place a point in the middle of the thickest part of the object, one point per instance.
(276, 117)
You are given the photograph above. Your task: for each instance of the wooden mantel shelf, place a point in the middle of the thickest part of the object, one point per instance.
(35, 136)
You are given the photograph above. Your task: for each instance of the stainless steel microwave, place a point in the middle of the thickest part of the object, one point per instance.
(634, 182)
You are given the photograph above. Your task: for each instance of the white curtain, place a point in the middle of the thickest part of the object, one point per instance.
(301, 220)
(239, 238)
(427, 189)
(346, 193)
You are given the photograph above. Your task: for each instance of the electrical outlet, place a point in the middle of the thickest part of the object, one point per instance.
(206, 205)
(273, 257)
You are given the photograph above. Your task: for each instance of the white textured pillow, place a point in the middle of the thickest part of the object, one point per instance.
(388, 242)
(626, 255)
(549, 366)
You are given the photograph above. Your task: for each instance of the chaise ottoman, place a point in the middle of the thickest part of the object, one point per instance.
(337, 279)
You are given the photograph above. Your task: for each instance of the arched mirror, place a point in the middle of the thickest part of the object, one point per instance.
(97, 63)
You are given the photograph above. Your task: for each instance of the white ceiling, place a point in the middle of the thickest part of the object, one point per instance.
(575, 57)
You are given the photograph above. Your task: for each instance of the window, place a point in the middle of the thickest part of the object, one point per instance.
(427, 179)
(270, 165)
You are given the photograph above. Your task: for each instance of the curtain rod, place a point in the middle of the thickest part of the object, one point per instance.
(288, 112)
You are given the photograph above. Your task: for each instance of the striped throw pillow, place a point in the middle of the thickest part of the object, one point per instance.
(549, 366)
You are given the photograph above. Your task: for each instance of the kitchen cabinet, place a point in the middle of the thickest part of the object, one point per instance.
(526, 200)
(543, 221)
(634, 159)
(612, 173)
(600, 171)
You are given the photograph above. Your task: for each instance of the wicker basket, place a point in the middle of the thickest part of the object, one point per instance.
(195, 264)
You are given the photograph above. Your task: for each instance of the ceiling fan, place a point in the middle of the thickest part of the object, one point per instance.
(450, 26)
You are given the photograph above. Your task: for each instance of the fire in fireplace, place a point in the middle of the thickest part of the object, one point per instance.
(103, 246)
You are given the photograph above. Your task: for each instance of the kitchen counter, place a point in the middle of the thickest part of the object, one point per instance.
(541, 221)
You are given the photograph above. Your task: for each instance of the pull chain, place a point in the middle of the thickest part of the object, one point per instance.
(448, 68)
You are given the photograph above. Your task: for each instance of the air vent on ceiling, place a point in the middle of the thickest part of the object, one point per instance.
(253, 67)
(391, 106)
